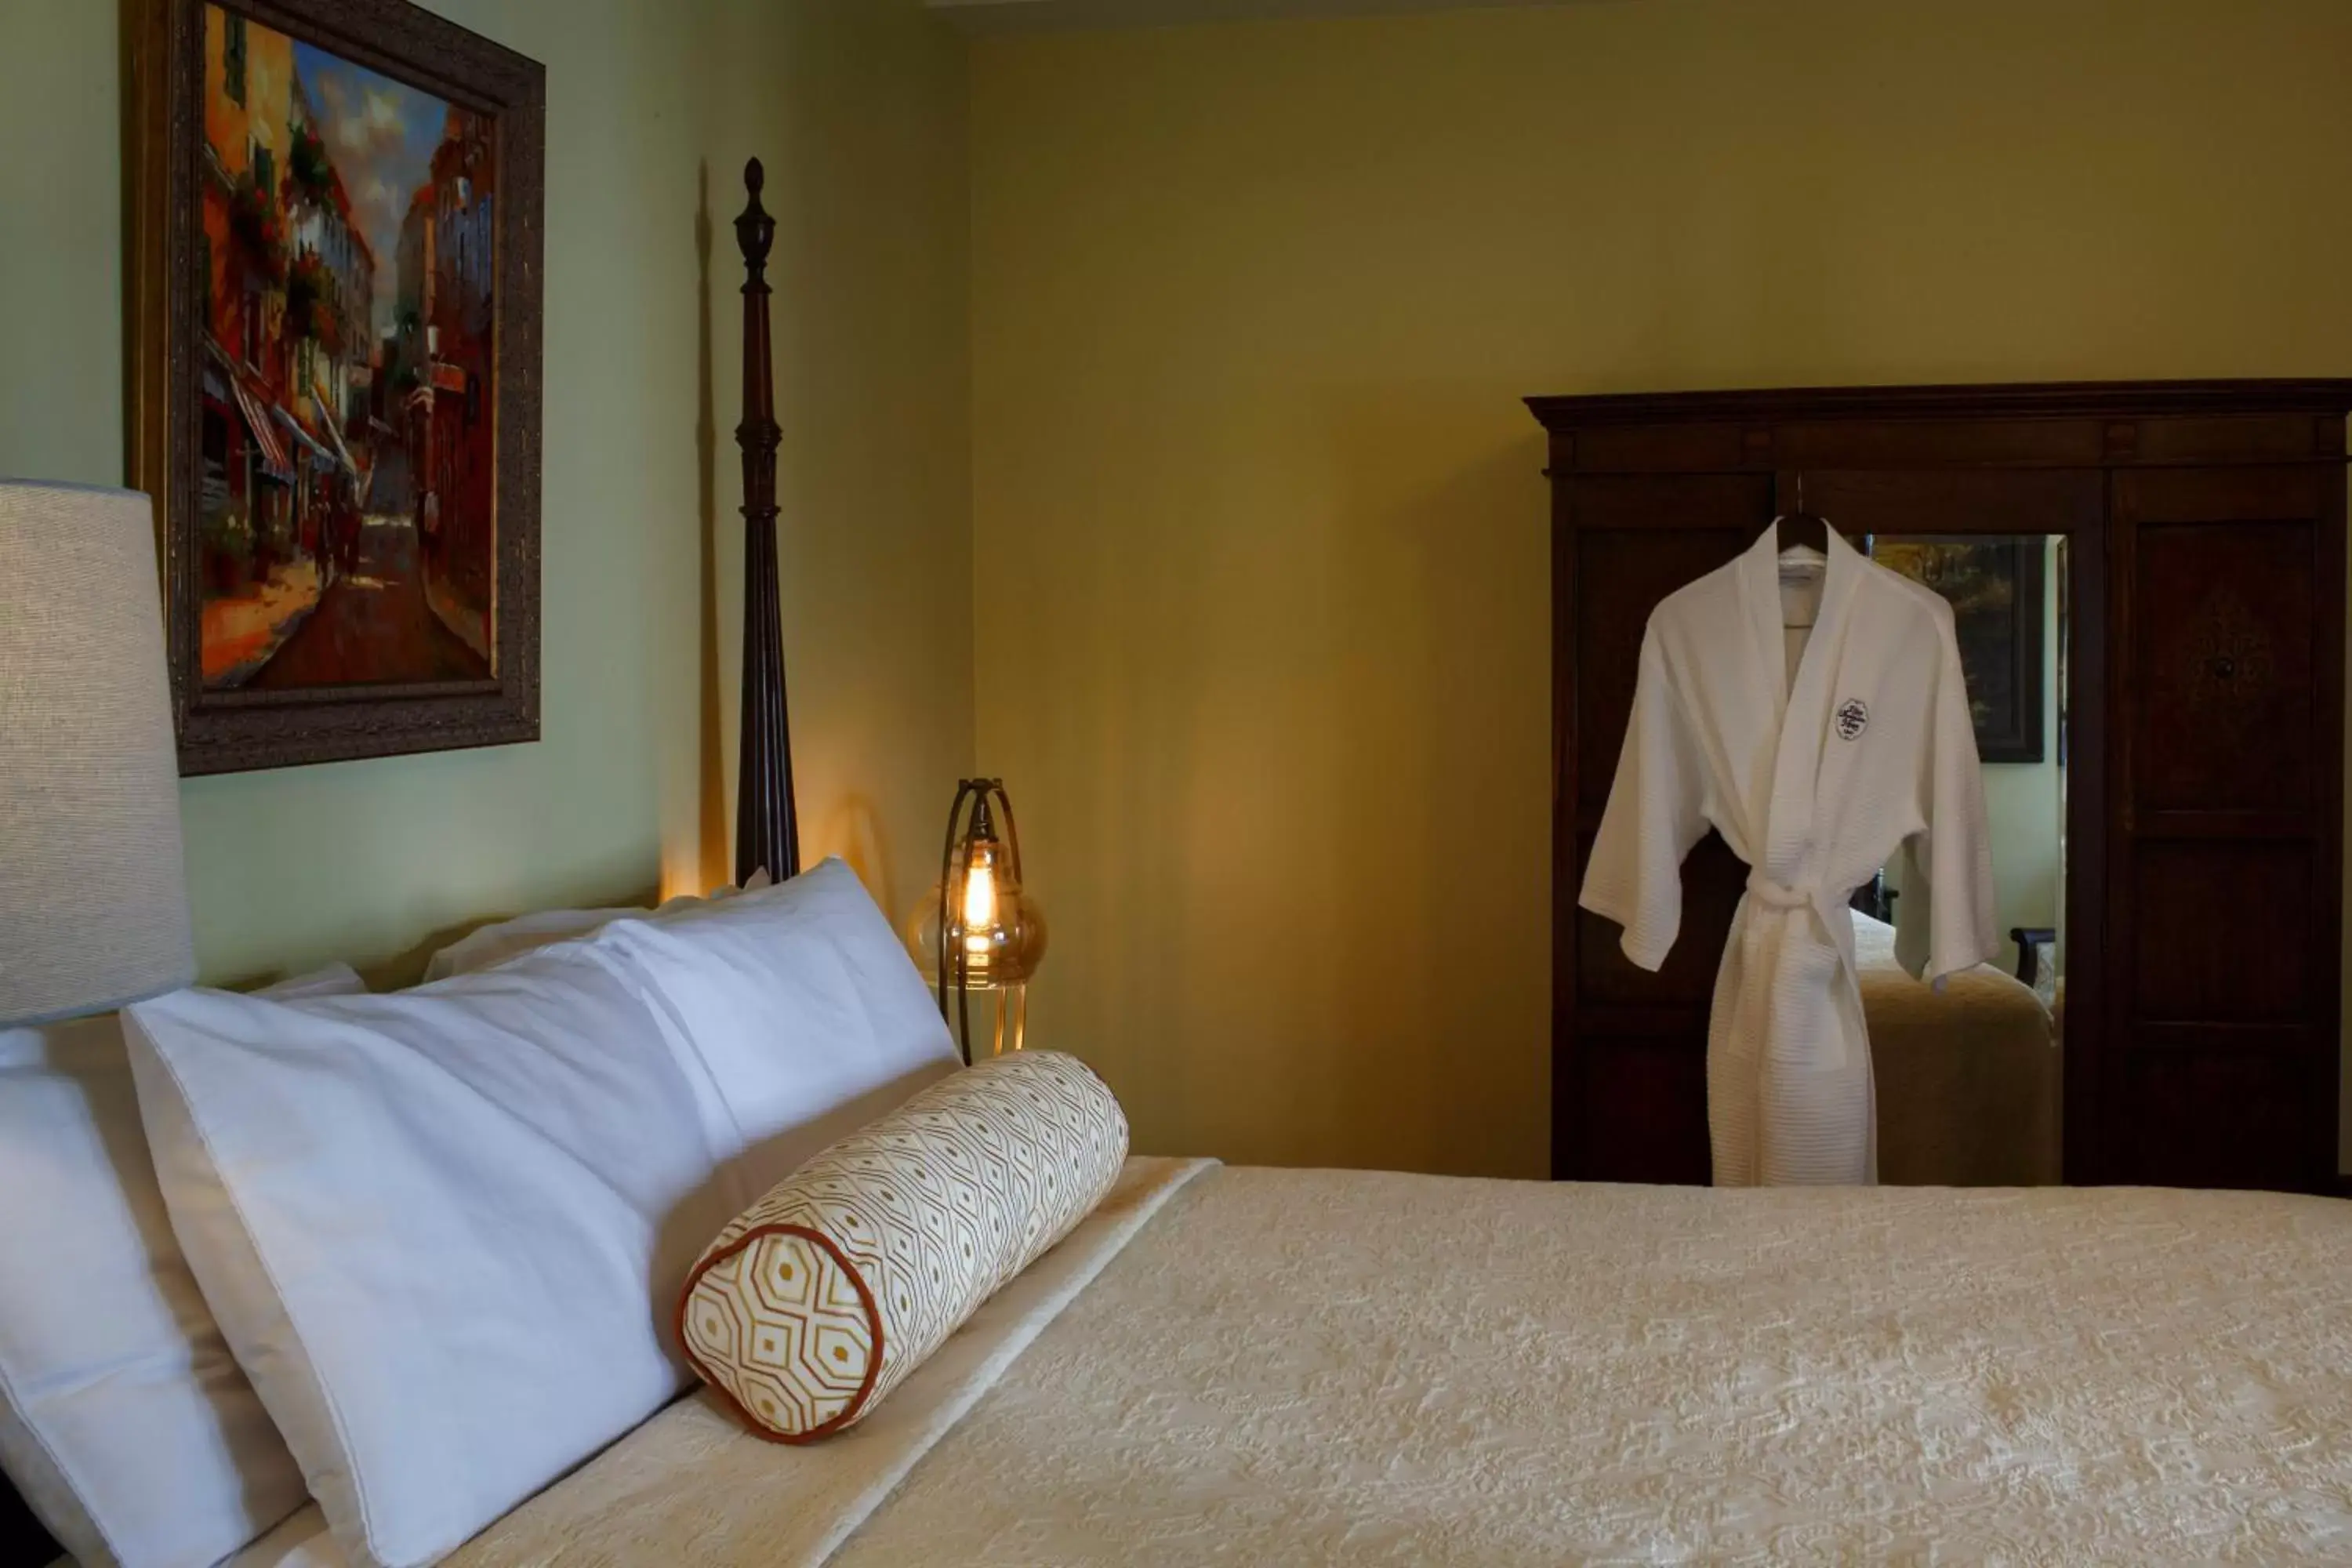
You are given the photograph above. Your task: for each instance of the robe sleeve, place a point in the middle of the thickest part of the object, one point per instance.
(1945, 923)
(1653, 817)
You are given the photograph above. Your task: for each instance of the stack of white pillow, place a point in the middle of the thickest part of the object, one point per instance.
(421, 1248)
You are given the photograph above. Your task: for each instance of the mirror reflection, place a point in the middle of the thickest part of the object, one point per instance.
(1968, 1078)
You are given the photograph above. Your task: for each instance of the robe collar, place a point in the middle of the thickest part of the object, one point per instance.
(1759, 571)
(1801, 709)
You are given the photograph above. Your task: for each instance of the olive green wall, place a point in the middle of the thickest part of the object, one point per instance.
(858, 107)
(1262, 579)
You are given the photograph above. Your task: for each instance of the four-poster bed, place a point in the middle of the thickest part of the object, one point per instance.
(767, 825)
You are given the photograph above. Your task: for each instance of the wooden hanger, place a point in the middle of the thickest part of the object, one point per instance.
(1801, 528)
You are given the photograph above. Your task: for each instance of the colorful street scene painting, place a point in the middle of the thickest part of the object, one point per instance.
(347, 517)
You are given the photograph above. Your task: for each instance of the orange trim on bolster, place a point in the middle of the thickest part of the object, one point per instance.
(857, 1401)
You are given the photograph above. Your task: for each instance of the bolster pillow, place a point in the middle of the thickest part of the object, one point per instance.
(818, 1300)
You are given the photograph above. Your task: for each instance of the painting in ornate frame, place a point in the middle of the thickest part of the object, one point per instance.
(335, 226)
(1996, 584)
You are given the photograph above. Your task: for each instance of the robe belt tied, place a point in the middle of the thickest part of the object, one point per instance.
(1805, 895)
(1767, 892)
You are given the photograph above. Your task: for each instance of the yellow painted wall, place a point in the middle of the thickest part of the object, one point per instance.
(859, 108)
(1261, 583)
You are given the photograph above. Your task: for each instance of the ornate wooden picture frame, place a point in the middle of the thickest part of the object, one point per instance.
(335, 226)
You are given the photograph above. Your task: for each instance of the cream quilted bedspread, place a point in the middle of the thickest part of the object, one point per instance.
(1312, 1367)
(1307, 1367)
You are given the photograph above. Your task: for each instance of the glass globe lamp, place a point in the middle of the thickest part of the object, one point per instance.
(980, 935)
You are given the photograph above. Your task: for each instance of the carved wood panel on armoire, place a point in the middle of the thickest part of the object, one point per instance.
(2204, 605)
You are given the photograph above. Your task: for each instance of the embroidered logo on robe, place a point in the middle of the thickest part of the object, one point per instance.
(1853, 718)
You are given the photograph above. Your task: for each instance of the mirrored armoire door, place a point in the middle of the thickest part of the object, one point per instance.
(1970, 1080)
(2147, 583)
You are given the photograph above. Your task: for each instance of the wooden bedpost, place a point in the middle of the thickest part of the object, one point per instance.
(767, 829)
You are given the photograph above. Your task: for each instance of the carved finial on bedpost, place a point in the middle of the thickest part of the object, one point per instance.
(755, 231)
(767, 827)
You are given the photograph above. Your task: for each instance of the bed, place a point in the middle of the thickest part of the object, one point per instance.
(1967, 1076)
(1259, 1365)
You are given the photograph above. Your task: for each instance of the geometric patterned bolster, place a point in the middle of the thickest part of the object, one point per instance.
(788, 1329)
(818, 1300)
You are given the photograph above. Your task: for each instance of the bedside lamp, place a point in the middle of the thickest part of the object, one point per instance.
(93, 895)
(980, 933)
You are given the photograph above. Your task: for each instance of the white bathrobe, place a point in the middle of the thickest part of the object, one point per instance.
(1815, 780)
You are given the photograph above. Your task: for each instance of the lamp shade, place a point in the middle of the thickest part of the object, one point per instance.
(93, 894)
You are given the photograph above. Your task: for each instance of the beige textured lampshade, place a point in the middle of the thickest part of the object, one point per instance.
(93, 894)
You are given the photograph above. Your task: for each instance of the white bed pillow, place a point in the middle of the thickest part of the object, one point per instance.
(497, 942)
(442, 1230)
(797, 1012)
(123, 1420)
(525, 933)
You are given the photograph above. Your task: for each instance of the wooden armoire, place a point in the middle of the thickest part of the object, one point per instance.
(2205, 700)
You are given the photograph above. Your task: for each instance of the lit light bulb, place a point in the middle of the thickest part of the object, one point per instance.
(980, 898)
(980, 891)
